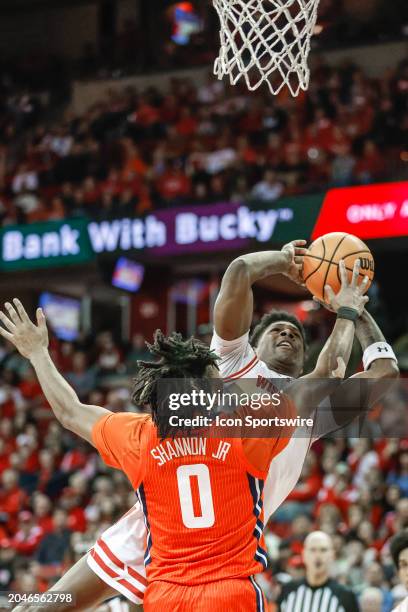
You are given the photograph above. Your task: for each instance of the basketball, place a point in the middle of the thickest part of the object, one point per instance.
(321, 263)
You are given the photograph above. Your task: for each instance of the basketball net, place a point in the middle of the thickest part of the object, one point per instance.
(266, 41)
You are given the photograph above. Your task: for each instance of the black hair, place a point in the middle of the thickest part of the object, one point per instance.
(398, 544)
(273, 317)
(176, 358)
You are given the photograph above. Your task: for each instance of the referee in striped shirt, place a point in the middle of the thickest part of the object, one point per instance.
(317, 592)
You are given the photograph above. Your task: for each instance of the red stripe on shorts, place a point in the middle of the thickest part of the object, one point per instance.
(110, 554)
(131, 588)
(136, 575)
(115, 576)
(103, 565)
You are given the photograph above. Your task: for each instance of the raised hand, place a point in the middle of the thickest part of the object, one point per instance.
(351, 293)
(295, 252)
(27, 337)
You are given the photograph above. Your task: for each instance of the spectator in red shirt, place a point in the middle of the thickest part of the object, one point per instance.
(29, 385)
(6, 434)
(42, 511)
(187, 124)
(133, 165)
(370, 166)
(146, 115)
(174, 186)
(12, 497)
(113, 183)
(28, 535)
(4, 456)
(72, 503)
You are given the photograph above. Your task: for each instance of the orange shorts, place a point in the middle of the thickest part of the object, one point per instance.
(238, 594)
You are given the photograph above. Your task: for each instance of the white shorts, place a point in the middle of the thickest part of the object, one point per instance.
(117, 557)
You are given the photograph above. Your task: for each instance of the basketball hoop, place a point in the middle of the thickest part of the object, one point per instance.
(266, 41)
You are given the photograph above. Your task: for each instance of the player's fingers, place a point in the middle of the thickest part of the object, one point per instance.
(329, 294)
(356, 273)
(40, 318)
(6, 334)
(343, 273)
(366, 299)
(298, 242)
(12, 313)
(21, 310)
(364, 284)
(6, 322)
(315, 299)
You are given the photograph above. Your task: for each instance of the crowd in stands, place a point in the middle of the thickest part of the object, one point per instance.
(133, 152)
(56, 495)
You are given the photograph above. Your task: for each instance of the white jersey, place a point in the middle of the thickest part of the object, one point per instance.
(239, 360)
(117, 557)
(402, 607)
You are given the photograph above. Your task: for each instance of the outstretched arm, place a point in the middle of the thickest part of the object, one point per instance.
(234, 306)
(32, 342)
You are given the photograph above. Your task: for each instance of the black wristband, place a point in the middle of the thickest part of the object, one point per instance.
(344, 312)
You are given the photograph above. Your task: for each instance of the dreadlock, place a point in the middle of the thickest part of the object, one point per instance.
(273, 317)
(176, 358)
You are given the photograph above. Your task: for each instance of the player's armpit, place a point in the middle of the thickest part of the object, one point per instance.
(82, 419)
(119, 439)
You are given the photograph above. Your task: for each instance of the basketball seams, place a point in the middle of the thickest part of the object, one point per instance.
(327, 270)
(358, 252)
(330, 263)
(333, 263)
(322, 260)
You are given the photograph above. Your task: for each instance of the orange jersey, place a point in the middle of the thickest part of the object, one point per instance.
(202, 497)
(237, 594)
